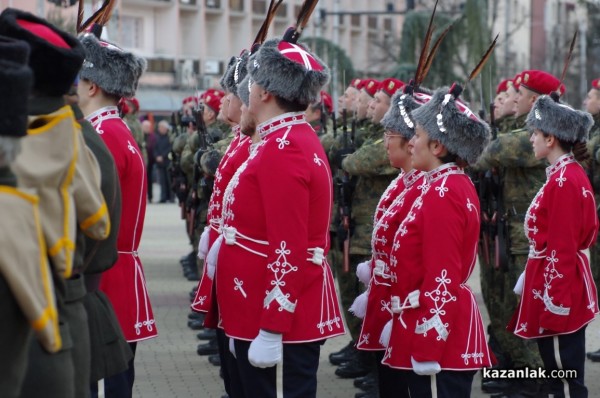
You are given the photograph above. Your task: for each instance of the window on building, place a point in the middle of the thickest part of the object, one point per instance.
(372, 22)
(131, 32)
(188, 2)
(282, 11)
(259, 6)
(236, 5)
(160, 65)
(213, 3)
(355, 20)
(387, 24)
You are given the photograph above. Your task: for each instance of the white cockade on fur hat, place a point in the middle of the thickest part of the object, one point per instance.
(289, 71)
(116, 71)
(559, 120)
(451, 122)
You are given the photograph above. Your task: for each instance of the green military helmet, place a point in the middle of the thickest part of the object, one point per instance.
(209, 162)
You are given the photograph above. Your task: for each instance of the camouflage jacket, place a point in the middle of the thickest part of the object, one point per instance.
(135, 127)
(371, 165)
(593, 146)
(522, 175)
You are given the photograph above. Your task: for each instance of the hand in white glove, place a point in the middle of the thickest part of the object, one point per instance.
(232, 347)
(211, 258)
(386, 333)
(427, 368)
(203, 245)
(518, 289)
(266, 350)
(363, 272)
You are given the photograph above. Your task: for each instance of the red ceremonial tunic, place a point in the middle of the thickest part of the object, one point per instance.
(237, 152)
(391, 210)
(559, 294)
(125, 283)
(436, 249)
(272, 271)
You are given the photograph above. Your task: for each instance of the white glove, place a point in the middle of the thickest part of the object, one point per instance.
(386, 333)
(363, 272)
(427, 368)
(232, 347)
(203, 245)
(266, 350)
(518, 289)
(211, 258)
(359, 306)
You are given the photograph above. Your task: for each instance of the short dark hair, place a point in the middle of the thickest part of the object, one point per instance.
(290, 106)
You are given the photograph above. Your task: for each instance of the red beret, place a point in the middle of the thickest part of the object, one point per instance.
(391, 85)
(189, 99)
(517, 81)
(355, 83)
(136, 104)
(503, 86)
(596, 84)
(539, 81)
(369, 85)
(212, 98)
(123, 107)
(327, 101)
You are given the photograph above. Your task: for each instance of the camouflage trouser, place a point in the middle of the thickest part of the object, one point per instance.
(349, 287)
(502, 304)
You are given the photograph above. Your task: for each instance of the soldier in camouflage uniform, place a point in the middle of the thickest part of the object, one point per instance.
(129, 108)
(338, 144)
(592, 105)
(521, 176)
(318, 115)
(371, 166)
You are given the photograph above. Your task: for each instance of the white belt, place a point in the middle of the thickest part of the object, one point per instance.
(133, 253)
(411, 301)
(231, 236)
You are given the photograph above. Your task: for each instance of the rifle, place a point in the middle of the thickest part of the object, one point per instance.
(502, 236)
(346, 190)
(323, 119)
(335, 127)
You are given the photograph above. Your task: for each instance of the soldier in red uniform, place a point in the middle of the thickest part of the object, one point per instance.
(437, 337)
(108, 74)
(275, 289)
(377, 273)
(558, 294)
(236, 154)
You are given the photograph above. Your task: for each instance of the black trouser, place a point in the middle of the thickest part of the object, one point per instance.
(566, 351)
(121, 384)
(445, 384)
(165, 183)
(296, 376)
(150, 178)
(393, 383)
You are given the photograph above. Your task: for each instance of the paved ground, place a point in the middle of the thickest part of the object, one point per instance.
(168, 366)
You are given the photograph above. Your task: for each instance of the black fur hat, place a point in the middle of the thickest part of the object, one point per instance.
(238, 71)
(288, 71)
(223, 81)
(243, 90)
(116, 71)
(16, 80)
(560, 120)
(398, 118)
(451, 122)
(55, 56)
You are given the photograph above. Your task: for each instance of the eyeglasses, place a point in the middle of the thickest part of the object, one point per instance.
(390, 135)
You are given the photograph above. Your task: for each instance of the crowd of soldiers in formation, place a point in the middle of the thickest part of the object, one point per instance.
(354, 142)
